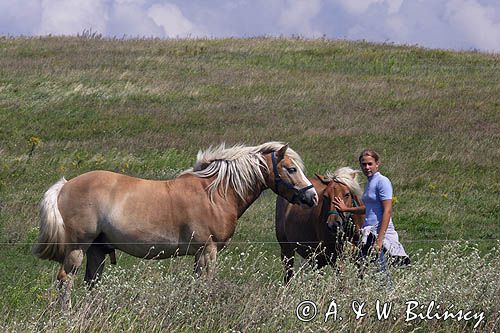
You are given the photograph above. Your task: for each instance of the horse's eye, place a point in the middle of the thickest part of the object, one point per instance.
(291, 170)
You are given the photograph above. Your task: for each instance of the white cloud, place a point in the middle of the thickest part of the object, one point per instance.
(478, 24)
(64, 17)
(130, 2)
(397, 26)
(357, 6)
(129, 18)
(17, 19)
(170, 18)
(298, 15)
(456, 24)
(394, 6)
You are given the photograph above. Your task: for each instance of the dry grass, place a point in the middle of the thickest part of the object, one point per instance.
(245, 297)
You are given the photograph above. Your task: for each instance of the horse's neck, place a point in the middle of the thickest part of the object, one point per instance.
(248, 199)
(230, 201)
(252, 195)
(320, 189)
(318, 186)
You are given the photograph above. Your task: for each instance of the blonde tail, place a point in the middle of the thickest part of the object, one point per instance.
(51, 235)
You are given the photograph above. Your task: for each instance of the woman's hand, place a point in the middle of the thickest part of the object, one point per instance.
(379, 244)
(339, 204)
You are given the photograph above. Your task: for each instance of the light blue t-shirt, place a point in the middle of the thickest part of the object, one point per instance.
(377, 189)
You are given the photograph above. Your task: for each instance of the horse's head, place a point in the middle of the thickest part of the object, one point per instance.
(335, 219)
(288, 180)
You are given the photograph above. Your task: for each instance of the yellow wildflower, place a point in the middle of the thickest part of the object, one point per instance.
(35, 141)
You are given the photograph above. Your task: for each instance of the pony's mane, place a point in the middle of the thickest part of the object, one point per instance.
(347, 176)
(238, 167)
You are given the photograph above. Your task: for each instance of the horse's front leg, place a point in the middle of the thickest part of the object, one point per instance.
(287, 258)
(205, 259)
(95, 264)
(211, 258)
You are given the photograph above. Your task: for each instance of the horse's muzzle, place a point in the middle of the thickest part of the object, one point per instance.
(309, 198)
(334, 226)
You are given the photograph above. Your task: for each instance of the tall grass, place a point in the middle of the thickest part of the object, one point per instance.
(246, 297)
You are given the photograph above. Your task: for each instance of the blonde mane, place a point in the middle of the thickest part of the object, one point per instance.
(347, 176)
(238, 167)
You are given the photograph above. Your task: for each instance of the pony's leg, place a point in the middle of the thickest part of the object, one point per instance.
(112, 257)
(210, 259)
(63, 282)
(338, 256)
(199, 262)
(72, 261)
(205, 260)
(322, 260)
(96, 257)
(287, 258)
(321, 256)
(364, 253)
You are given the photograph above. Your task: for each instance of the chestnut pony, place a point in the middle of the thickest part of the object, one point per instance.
(194, 214)
(319, 233)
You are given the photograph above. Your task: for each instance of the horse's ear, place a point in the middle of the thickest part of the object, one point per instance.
(281, 153)
(323, 179)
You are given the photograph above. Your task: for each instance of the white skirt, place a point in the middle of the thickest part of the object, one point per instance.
(391, 240)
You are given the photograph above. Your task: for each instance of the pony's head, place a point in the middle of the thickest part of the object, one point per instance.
(288, 180)
(343, 183)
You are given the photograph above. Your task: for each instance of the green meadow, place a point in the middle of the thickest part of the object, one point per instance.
(145, 107)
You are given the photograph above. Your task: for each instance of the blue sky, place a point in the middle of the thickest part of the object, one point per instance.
(444, 24)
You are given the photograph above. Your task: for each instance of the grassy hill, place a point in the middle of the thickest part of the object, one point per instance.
(145, 107)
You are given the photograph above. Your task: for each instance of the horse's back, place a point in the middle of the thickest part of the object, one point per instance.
(99, 180)
(93, 190)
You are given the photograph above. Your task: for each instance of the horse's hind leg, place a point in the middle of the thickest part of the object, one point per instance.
(96, 256)
(72, 262)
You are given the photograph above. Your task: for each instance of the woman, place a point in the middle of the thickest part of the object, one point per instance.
(378, 230)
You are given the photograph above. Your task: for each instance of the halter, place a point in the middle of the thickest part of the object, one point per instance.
(346, 218)
(341, 214)
(297, 193)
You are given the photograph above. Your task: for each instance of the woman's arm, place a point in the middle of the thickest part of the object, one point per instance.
(386, 218)
(340, 205)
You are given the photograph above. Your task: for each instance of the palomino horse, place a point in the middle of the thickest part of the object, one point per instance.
(319, 233)
(193, 214)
